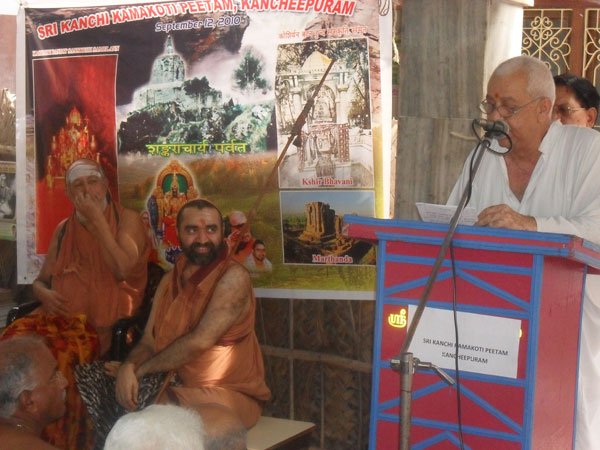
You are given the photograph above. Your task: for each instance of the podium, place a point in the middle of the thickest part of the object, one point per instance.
(519, 294)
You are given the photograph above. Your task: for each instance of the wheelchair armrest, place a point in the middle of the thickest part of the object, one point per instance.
(125, 333)
(16, 312)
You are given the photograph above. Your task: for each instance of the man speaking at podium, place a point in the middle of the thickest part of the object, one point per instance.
(549, 181)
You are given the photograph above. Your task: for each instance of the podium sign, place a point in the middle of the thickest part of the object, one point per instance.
(487, 344)
(522, 394)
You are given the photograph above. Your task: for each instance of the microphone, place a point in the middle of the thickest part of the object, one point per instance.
(492, 128)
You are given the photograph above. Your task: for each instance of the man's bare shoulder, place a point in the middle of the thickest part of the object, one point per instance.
(13, 438)
(131, 224)
(129, 216)
(237, 272)
(235, 286)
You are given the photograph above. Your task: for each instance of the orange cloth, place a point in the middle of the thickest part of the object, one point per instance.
(247, 408)
(72, 342)
(234, 364)
(242, 253)
(82, 276)
(170, 238)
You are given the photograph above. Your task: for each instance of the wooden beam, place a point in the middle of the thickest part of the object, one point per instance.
(306, 355)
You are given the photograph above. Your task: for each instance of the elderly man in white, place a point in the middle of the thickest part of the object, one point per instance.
(549, 181)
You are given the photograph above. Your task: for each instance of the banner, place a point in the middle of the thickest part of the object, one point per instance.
(182, 100)
(7, 128)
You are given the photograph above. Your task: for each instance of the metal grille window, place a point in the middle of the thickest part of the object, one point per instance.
(547, 35)
(591, 46)
(565, 34)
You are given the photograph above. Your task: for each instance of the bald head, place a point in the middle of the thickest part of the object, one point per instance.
(237, 218)
(540, 82)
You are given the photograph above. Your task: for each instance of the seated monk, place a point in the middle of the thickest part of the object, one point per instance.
(202, 328)
(94, 274)
(32, 393)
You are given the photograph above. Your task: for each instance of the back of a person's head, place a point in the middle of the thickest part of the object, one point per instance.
(17, 361)
(158, 427)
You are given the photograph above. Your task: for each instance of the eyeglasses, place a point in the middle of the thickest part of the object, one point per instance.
(505, 111)
(564, 110)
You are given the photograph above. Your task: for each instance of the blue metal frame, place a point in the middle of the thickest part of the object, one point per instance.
(525, 310)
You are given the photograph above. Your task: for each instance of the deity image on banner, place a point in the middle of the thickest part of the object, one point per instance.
(74, 118)
(174, 187)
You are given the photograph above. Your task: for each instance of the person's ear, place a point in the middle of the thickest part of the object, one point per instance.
(68, 190)
(26, 402)
(591, 116)
(545, 107)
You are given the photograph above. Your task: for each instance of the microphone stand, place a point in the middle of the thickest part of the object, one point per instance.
(405, 363)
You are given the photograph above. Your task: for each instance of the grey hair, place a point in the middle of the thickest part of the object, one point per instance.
(158, 427)
(540, 82)
(17, 373)
(234, 439)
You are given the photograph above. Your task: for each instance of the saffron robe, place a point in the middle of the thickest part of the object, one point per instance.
(82, 276)
(231, 373)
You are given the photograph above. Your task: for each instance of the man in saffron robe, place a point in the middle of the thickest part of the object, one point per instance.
(94, 274)
(202, 327)
(97, 261)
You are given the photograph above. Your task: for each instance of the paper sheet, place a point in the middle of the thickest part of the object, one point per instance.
(431, 212)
